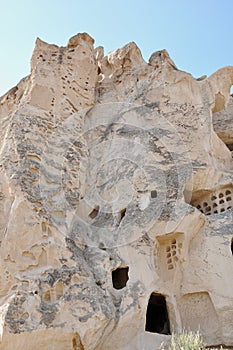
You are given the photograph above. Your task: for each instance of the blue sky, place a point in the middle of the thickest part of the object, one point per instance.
(197, 34)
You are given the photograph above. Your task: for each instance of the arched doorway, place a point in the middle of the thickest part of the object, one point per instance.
(157, 320)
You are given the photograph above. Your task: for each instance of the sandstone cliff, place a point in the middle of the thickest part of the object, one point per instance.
(116, 189)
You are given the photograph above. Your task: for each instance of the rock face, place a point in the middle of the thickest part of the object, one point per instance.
(116, 189)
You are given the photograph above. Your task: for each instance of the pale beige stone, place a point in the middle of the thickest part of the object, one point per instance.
(114, 168)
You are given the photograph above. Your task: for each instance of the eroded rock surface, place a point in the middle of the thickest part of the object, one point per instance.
(116, 196)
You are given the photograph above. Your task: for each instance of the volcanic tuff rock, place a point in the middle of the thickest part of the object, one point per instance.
(116, 189)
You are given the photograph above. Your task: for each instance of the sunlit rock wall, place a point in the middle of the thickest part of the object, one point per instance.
(116, 196)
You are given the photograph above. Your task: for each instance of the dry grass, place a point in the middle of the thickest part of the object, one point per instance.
(188, 340)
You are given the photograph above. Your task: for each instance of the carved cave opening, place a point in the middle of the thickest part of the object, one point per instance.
(94, 212)
(157, 320)
(230, 146)
(153, 194)
(232, 246)
(120, 277)
(121, 214)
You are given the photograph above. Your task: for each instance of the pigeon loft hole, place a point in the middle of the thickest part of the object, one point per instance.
(157, 320)
(120, 277)
(216, 202)
(169, 251)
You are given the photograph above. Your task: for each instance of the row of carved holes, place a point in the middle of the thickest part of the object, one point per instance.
(220, 203)
(172, 253)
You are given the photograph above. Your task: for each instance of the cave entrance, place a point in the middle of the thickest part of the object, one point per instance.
(157, 320)
(229, 145)
(94, 212)
(120, 277)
